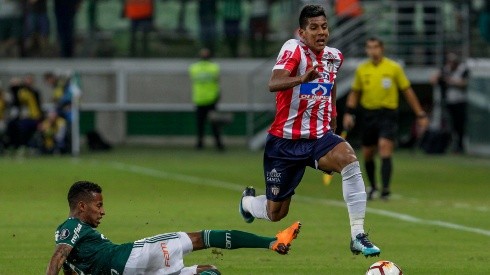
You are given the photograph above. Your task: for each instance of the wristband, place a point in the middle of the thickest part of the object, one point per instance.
(349, 110)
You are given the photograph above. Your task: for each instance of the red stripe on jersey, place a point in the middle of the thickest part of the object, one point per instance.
(283, 101)
(292, 62)
(284, 98)
(298, 122)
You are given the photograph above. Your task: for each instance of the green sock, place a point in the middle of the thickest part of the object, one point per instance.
(232, 239)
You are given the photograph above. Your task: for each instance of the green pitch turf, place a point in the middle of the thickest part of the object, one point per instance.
(438, 221)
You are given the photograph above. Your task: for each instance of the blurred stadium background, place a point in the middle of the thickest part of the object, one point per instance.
(142, 105)
(146, 98)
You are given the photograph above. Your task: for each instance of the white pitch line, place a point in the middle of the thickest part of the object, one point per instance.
(239, 187)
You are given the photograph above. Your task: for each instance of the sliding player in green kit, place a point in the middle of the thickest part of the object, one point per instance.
(80, 249)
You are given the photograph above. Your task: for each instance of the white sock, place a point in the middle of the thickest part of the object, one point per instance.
(354, 193)
(257, 206)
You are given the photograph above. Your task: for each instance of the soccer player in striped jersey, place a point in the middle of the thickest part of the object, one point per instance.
(303, 131)
(81, 249)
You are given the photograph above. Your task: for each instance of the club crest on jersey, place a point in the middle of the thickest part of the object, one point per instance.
(275, 190)
(65, 233)
(316, 91)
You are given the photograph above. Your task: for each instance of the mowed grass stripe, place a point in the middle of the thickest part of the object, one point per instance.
(238, 187)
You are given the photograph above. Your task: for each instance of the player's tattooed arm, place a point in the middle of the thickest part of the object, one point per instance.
(59, 257)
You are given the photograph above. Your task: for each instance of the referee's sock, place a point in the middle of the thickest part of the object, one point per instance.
(386, 169)
(370, 167)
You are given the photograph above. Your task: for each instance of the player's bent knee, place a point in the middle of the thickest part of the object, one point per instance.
(276, 216)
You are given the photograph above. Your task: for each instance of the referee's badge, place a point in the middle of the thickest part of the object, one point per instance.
(386, 83)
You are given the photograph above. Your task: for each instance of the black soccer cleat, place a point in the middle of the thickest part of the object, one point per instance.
(247, 217)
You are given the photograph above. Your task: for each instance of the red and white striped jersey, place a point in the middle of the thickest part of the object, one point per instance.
(305, 111)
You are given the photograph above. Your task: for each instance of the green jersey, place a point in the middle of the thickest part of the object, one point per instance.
(92, 253)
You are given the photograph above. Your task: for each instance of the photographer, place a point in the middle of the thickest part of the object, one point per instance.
(453, 80)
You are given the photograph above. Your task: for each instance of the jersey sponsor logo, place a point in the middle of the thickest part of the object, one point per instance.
(228, 240)
(76, 233)
(114, 272)
(285, 56)
(315, 91)
(65, 233)
(329, 56)
(273, 176)
(166, 254)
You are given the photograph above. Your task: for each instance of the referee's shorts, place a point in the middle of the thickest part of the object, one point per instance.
(379, 123)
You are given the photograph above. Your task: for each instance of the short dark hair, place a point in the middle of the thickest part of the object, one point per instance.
(309, 11)
(375, 39)
(82, 191)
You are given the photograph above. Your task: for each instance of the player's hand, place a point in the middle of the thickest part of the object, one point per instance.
(333, 124)
(423, 124)
(311, 74)
(348, 121)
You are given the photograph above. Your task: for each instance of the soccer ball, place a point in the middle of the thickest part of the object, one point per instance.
(384, 268)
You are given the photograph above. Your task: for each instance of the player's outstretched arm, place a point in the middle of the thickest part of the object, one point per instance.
(59, 257)
(282, 80)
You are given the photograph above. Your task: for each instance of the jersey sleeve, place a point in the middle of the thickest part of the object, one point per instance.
(401, 79)
(289, 57)
(69, 233)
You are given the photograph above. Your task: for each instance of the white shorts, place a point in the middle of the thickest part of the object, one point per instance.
(159, 255)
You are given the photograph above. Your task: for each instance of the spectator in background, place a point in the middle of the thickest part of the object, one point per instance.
(259, 26)
(484, 21)
(205, 77)
(207, 11)
(376, 87)
(346, 10)
(26, 113)
(62, 96)
(11, 28)
(52, 134)
(181, 17)
(405, 29)
(36, 27)
(350, 11)
(232, 13)
(453, 81)
(140, 12)
(65, 12)
(92, 16)
(3, 116)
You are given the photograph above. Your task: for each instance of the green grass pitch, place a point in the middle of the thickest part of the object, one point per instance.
(438, 221)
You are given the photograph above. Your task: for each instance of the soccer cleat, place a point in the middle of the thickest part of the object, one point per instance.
(361, 244)
(371, 193)
(385, 195)
(249, 191)
(285, 237)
